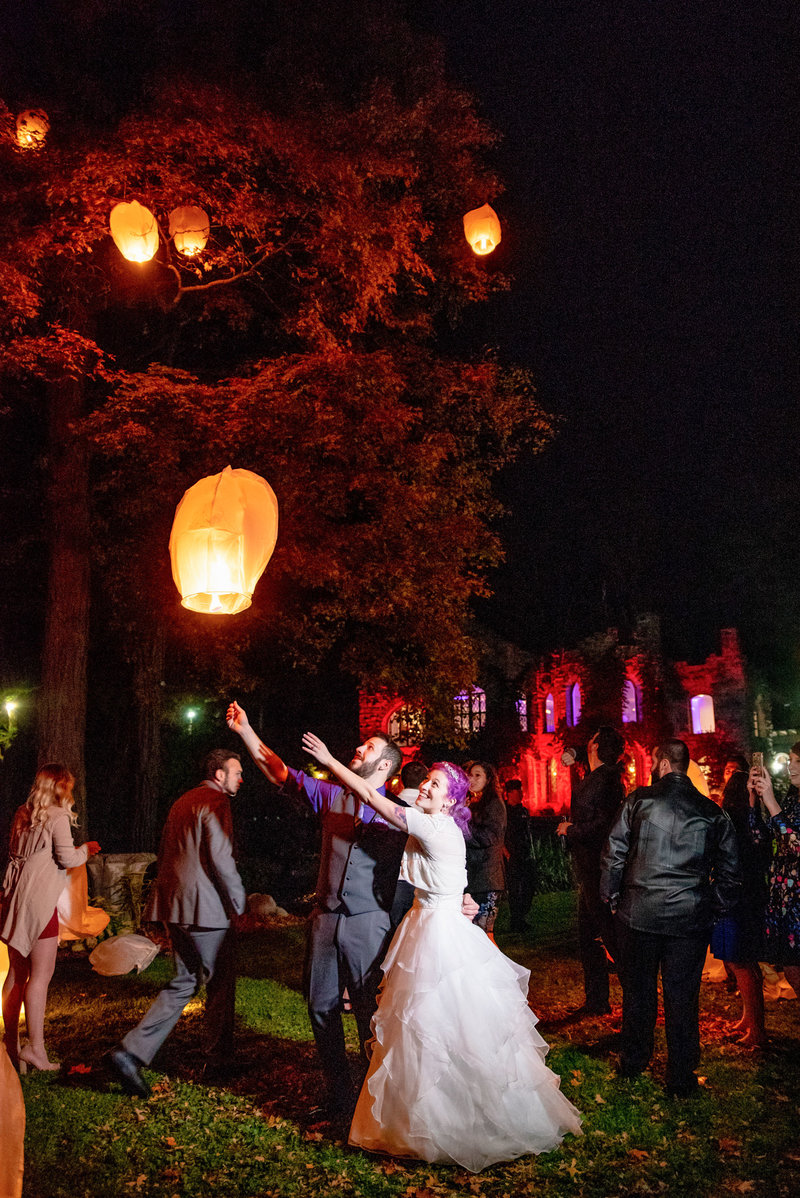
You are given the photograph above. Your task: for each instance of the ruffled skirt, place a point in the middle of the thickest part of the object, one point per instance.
(457, 1071)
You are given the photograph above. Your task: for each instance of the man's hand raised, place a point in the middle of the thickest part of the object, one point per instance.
(236, 718)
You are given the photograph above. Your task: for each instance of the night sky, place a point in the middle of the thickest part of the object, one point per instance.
(650, 223)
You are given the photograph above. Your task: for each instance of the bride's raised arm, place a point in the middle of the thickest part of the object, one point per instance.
(392, 812)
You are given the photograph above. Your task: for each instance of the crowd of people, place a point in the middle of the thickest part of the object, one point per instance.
(409, 884)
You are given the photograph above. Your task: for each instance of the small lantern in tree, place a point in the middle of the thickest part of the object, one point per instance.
(189, 228)
(482, 229)
(223, 535)
(135, 231)
(32, 129)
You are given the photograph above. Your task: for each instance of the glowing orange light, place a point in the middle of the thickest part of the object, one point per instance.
(134, 230)
(189, 228)
(3, 967)
(223, 535)
(482, 229)
(32, 129)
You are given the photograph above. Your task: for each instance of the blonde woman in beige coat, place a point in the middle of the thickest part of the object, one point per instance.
(40, 852)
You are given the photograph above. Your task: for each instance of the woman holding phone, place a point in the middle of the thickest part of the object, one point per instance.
(782, 916)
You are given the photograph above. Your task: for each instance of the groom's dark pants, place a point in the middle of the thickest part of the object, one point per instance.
(343, 951)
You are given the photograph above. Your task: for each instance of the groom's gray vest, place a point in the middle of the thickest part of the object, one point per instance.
(360, 859)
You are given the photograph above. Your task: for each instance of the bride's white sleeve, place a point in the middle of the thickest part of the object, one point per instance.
(425, 828)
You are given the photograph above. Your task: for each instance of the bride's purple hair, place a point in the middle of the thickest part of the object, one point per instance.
(457, 791)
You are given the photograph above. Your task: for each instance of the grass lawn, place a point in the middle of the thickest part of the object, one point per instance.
(251, 1138)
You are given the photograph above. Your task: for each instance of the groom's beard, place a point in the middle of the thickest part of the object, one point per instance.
(364, 769)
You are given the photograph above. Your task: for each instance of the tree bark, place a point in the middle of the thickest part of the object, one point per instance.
(148, 671)
(62, 705)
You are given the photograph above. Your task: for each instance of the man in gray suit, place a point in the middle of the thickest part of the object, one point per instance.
(351, 923)
(198, 893)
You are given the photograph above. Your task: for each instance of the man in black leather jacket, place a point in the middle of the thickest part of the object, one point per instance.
(669, 868)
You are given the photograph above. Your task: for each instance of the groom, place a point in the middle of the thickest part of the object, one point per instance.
(350, 926)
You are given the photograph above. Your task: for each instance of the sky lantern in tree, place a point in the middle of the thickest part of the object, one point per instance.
(223, 535)
(32, 128)
(482, 229)
(189, 228)
(135, 231)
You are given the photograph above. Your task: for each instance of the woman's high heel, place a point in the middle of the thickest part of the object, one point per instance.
(26, 1061)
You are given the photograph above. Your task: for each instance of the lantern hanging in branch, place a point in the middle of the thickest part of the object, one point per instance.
(32, 129)
(223, 535)
(135, 231)
(482, 229)
(189, 228)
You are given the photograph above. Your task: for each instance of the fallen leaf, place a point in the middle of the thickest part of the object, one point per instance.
(639, 1154)
(729, 1146)
(171, 1142)
(80, 1069)
(599, 1098)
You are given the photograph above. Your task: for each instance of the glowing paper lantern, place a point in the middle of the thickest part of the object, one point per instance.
(32, 129)
(482, 229)
(223, 535)
(135, 231)
(189, 228)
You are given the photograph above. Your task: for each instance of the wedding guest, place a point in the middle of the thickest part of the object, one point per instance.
(518, 854)
(41, 850)
(738, 938)
(782, 915)
(486, 878)
(668, 869)
(596, 802)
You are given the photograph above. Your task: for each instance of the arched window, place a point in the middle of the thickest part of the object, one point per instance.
(549, 714)
(470, 710)
(406, 726)
(702, 714)
(574, 704)
(522, 713)
(631, 703)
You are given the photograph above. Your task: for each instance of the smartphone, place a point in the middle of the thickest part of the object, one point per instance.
(758, 761)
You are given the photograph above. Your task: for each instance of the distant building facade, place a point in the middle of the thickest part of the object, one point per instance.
(524, 714)
(634, 688)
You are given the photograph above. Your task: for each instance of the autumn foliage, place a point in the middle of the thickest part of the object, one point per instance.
(306, 342)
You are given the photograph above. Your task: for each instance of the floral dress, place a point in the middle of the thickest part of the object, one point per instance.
(782, 916)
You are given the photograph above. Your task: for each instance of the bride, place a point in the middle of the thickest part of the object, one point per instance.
(457, 1071)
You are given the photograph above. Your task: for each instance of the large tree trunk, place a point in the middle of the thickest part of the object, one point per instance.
(148, 670)
(62, 705)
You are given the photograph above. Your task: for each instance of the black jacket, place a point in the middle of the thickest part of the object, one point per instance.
(485, 839)
(595, 805)
(671, 865)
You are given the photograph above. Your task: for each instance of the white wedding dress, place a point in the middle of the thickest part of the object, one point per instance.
(457, 1071)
